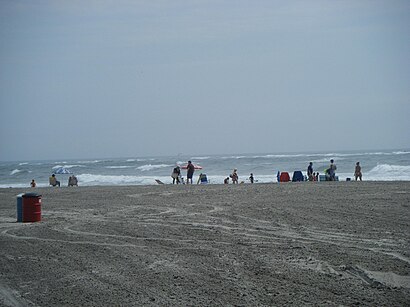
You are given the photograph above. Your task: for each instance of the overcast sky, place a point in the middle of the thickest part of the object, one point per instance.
(124, 78)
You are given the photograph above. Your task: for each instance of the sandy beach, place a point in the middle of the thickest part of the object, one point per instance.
(330, 243)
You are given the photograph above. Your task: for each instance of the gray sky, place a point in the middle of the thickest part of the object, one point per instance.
(135, 78)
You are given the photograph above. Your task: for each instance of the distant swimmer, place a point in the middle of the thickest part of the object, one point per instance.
(358, 171)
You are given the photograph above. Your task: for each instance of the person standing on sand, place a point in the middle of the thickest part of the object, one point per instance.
(310, 171)
(234, 176)
(332, 170)
(33, 183)
(226, 181)
(190, 172)
(251, 178)
(358, 171)
(176, 173)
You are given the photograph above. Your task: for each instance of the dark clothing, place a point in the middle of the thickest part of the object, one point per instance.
(176, 173)
(190, 171)
(310, 170)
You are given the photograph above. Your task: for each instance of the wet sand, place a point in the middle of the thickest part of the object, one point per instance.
(330, 243)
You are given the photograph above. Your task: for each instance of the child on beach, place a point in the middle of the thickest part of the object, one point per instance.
(226, 181)
(251, 178)
(33, 183)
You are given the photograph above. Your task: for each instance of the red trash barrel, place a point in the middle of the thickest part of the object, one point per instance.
(31, 207)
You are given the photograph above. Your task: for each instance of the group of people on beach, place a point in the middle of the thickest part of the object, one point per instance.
(72, 181)
(52, 180)
(177, 178)
(330, 174)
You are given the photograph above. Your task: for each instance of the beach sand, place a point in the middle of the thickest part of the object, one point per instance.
(330, 243)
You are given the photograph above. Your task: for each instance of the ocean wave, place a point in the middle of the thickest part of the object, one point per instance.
(90, 161)
(149, 167)
(325, 160)
(334, 155)
(15, 171)
(23, 163)
(130, 160)
(91, 180)
(119, 166)
(235, 157)
(401, 152)
(200, 158)
(388, 172)
(67, 166)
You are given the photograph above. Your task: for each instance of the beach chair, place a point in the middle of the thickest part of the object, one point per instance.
(284, 177)
(297, 176)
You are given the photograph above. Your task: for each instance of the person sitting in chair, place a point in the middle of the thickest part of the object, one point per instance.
(202, 179)
(53, 181)
(72, 181)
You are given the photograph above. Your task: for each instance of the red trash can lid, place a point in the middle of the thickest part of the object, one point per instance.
(31, 195)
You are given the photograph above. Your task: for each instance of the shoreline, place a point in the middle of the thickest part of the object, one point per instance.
(210, 184)
(330, 243)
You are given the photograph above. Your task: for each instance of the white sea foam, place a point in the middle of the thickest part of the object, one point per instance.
(119, 166)
(15, 171)
(401, 152)
(23, 163)
(90, 180)
(325, 160)
(149, 167)
(89, 161)
(388, 172)
(200, 158)
(235, 157)
(130, 160)
(330, 155)
(67, 166)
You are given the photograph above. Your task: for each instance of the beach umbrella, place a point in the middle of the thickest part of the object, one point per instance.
(62, 170)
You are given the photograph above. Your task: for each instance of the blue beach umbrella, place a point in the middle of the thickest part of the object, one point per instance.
(62, 170)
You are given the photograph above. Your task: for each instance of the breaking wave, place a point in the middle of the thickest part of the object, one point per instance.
(149, 167)
(388, 172)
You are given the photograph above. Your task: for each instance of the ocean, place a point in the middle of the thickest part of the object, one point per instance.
(387, 165)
